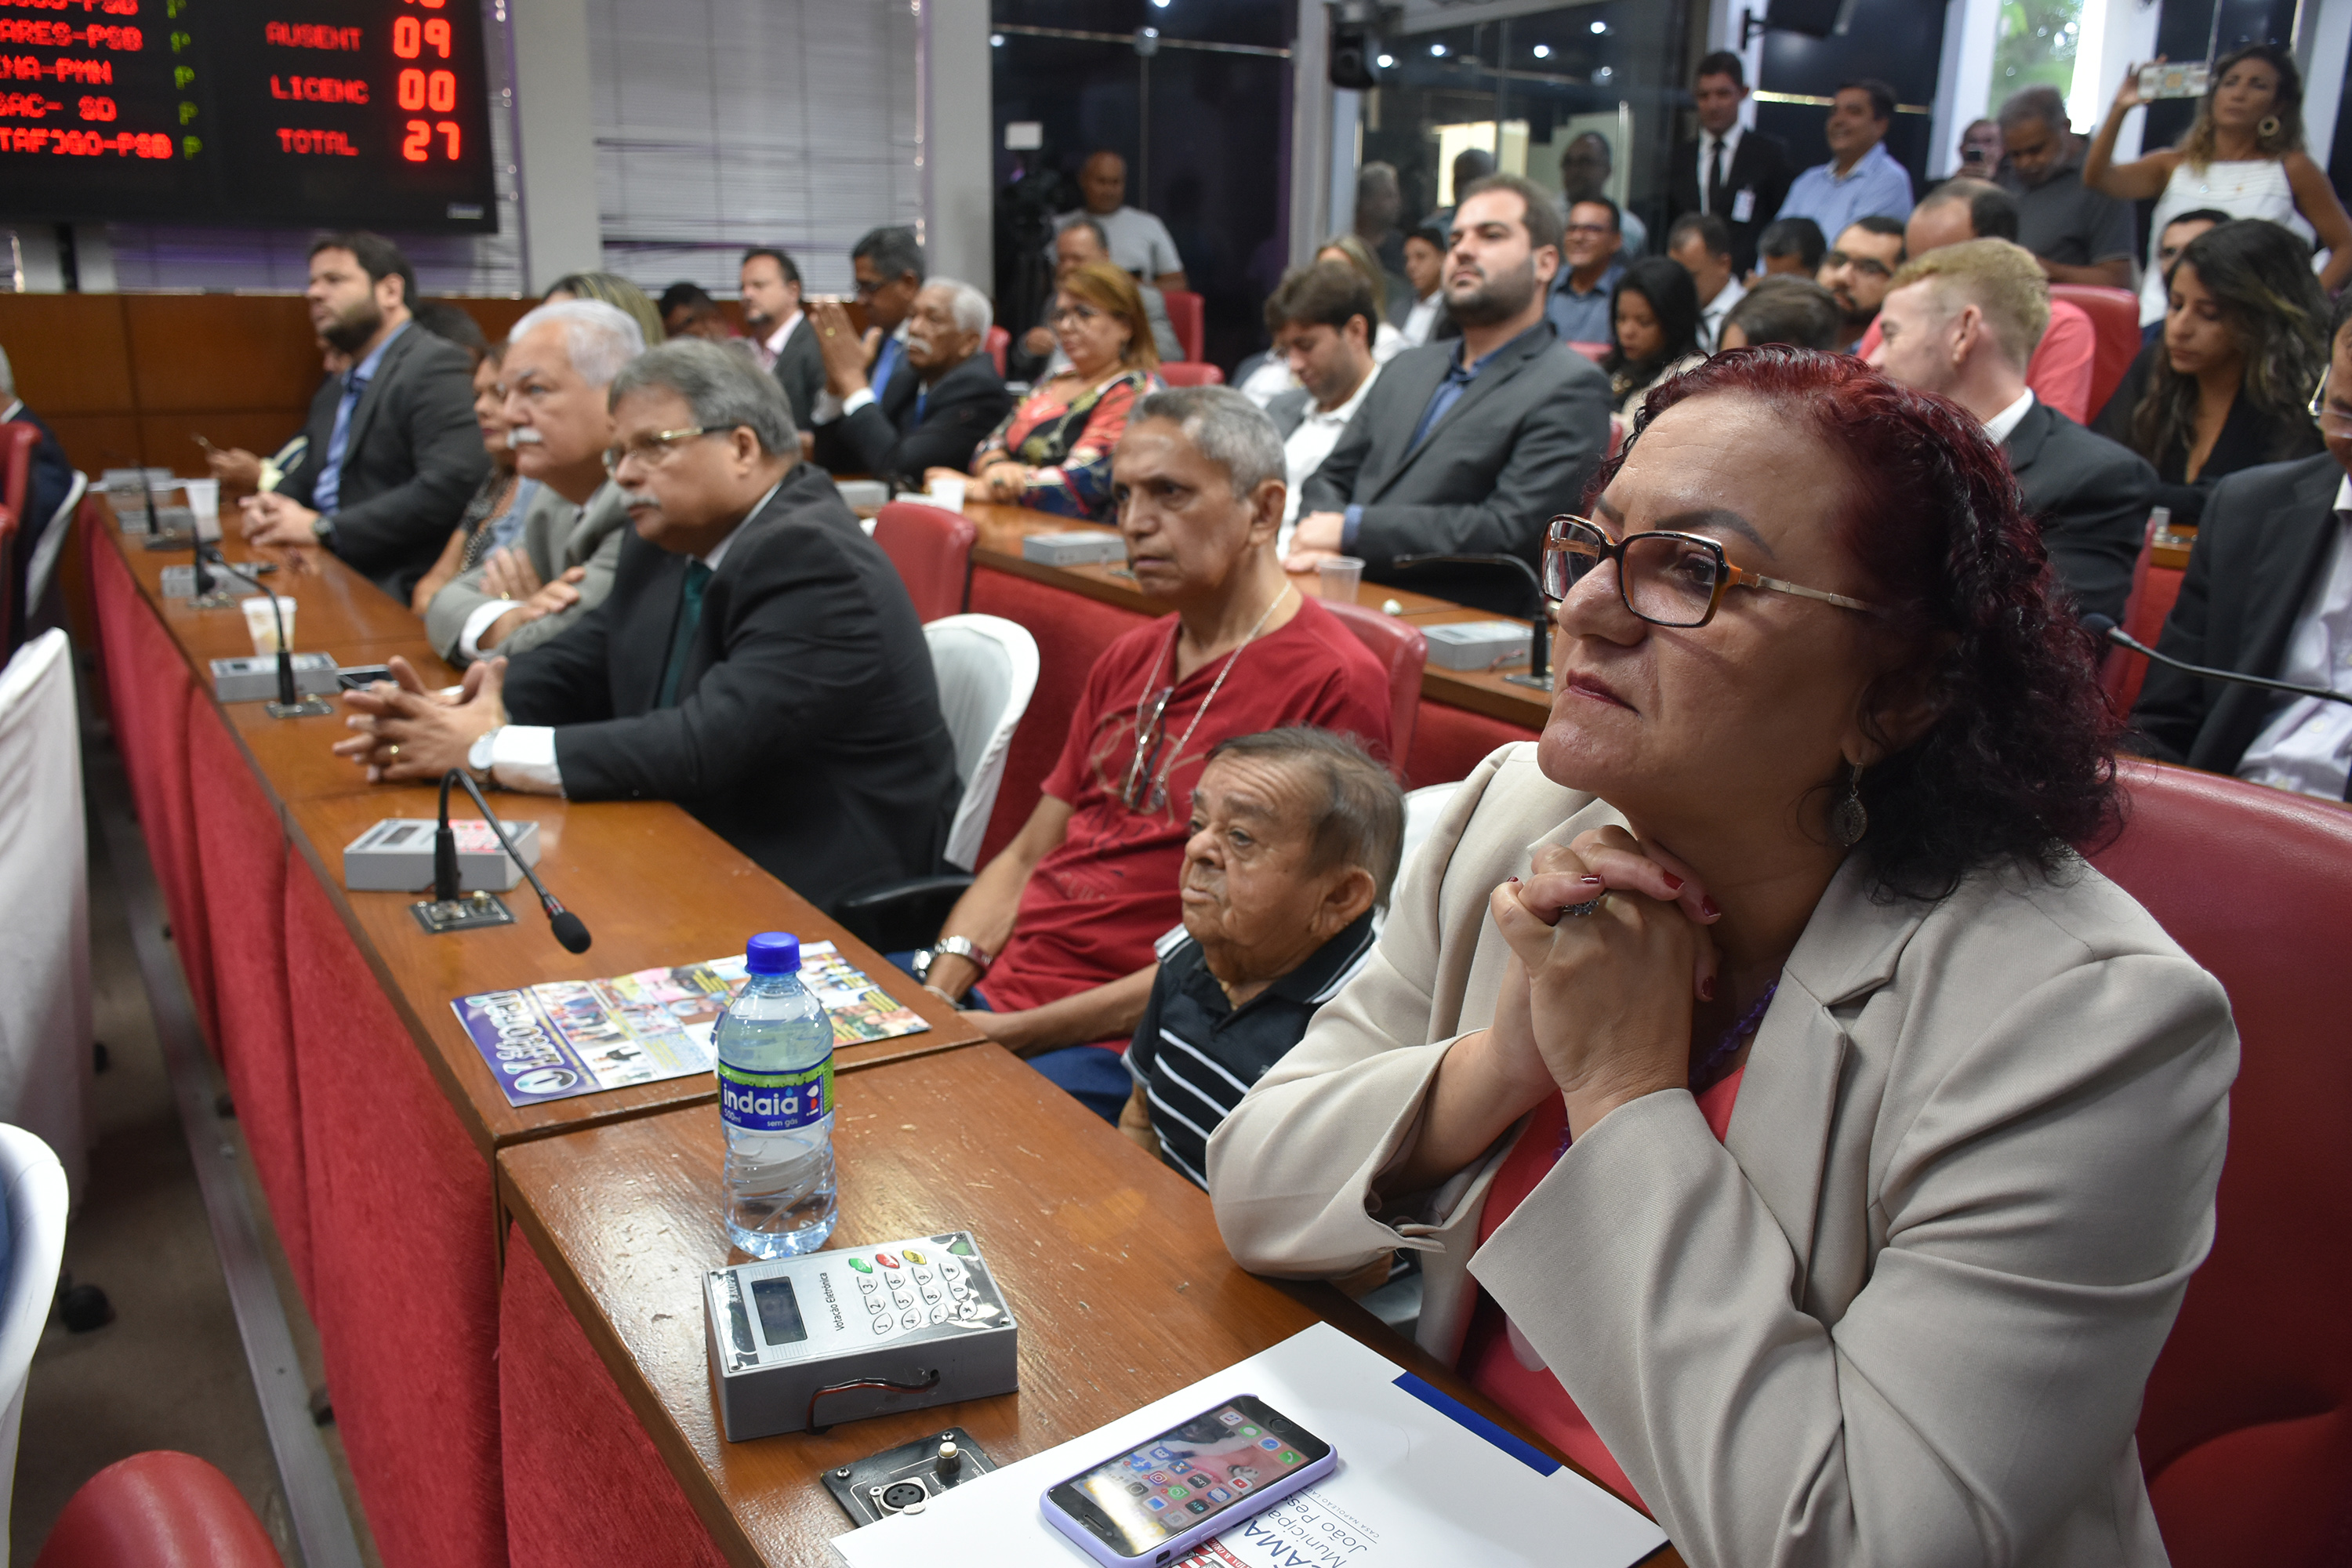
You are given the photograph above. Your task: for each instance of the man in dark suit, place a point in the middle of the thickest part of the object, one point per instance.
(2268, 593)
(1962, 321)
(1739, 175)
(757, 660)
(393, 454)
(782, 341)
(941, 399)
(1471, 446)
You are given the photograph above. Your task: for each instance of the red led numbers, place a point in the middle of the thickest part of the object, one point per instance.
(411, 37)
(417, 145)
(437, 91)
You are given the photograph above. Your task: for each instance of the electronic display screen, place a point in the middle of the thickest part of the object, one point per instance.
(779, 1310)
(324, 112)
(1167, 1485)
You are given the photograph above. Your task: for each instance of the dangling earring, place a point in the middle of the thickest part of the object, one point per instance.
(2268, 127)
(1848, 820)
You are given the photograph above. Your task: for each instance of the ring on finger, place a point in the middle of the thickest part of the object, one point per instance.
(1580, 910)
(394, 752)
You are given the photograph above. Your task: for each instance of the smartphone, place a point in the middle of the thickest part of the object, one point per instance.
(359, 677)
(1169, 1493)
(2187, 79)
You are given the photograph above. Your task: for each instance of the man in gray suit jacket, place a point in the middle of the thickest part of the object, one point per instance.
(558, 370)
(1469, 447)
(393, 451)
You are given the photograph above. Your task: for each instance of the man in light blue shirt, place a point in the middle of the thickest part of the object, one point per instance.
(1861, 180)
(1578, 302)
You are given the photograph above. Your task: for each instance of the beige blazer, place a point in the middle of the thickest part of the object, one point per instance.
(1904, 1312)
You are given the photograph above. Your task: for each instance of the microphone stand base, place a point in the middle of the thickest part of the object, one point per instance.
(469, 914)
(1540, 682)
(219, 599)
(308, 708)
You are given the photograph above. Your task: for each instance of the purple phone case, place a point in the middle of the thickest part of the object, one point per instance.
(1177, 1546)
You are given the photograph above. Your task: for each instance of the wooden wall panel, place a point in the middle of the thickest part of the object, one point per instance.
(195, 352)
(69, 352)
(96, 442)
(494, 317)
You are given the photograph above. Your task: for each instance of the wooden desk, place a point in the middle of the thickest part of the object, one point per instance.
(654, 887)
(998, 547)
(1111, 1262)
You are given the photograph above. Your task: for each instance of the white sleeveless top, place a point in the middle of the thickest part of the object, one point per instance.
(2252, 187)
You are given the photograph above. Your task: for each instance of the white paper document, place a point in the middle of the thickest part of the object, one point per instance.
(1422, 1480)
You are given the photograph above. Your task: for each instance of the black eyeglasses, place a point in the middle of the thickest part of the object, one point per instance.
(1667, 579)
(1868, 265)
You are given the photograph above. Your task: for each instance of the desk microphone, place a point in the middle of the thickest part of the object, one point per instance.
(569, 929)
(2105, 626)
(291, 703)
(1538, 673)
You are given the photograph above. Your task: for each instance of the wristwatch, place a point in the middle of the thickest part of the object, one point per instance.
(960, 946)
(477, 755)
(322, 529)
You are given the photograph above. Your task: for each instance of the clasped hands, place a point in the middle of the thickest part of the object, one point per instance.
(404, 732)
(273, 519)
(509, 575)
(1597, 1007)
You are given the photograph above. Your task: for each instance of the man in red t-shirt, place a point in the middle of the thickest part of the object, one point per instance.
(1058, 928)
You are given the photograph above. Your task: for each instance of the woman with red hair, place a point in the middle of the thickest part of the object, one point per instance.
(1790, 1125)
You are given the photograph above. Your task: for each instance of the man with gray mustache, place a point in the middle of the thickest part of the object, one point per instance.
(561, 359)
(757, 660)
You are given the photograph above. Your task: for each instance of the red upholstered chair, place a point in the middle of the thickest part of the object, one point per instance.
(17, 440)
(1616, 433)
(932, 548)
(2154, 591)
(561, 1418)
(1593, 351)
(2246, 1432)
(1190, 373)
(1400, 647)
(241, 852)
(2115, 317)
(1071, 630)
(7, 572)
(405, 1282)
(1186, 314)
(158, 1510)
(999, 342)
(1452, 741)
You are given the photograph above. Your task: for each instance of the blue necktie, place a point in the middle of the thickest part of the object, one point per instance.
(884, 361)
(328, 490)
(681, 641)
(922, 395)
(1449, 392)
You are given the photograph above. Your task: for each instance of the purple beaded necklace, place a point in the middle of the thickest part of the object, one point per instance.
(1705, 1071)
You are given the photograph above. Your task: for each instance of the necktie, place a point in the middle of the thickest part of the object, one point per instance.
(886, 361)
(1458, 377)
(1715, 180)
(328, 490)
(690, 615)
(922, 395)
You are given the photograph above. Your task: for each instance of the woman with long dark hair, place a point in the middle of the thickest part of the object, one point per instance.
(1793, 1128)
(1653, 317)
(2229, 384)
(2243, 156)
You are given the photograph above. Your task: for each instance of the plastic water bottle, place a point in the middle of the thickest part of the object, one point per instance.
(774, 1046)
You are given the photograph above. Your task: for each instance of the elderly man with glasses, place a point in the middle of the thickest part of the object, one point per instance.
(1056, 937)
(758, 661)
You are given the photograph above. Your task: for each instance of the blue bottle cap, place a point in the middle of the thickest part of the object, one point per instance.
(773, 953)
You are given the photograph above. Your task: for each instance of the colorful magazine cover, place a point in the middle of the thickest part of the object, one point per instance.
(567, 1037)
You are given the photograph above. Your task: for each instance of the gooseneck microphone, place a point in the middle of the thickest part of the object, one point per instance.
(569, 929)
(1539, 631)
(2105, 626)
(287, 697)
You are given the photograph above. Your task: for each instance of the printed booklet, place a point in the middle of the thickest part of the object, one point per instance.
(565, 1037)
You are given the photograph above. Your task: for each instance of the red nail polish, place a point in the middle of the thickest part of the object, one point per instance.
(1593, 882)
(1512, 883)
(1707, 907)
(1674, 883)
(1706, 989)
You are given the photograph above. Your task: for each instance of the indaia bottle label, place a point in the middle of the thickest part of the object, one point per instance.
(775, 1101)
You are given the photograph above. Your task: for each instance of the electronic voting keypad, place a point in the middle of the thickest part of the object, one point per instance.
(834, 1336)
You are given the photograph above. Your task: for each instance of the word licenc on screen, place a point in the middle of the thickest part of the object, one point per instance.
(369, 112)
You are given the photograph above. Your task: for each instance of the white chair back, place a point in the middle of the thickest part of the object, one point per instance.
(34, 1184)
(42, 549)
(987, 670)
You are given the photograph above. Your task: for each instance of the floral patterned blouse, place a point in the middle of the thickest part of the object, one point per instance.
(1068, 446)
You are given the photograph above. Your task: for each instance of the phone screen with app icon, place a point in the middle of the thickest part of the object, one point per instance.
(1216, 1463)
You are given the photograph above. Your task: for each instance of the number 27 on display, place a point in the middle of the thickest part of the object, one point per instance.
(418, 89)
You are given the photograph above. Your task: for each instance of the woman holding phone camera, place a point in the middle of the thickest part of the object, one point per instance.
(2243, 156)
(1793, 1128)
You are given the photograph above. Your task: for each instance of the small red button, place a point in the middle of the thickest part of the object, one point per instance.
(886, 1260)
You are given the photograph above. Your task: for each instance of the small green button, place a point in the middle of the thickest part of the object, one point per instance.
(861, 1265)
(962, 1247)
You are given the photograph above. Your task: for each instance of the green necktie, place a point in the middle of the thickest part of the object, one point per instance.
(690, 615)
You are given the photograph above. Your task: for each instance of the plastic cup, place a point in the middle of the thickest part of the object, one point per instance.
(948, 494)
(1342, 576)
(262, 626)
(205, 501)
